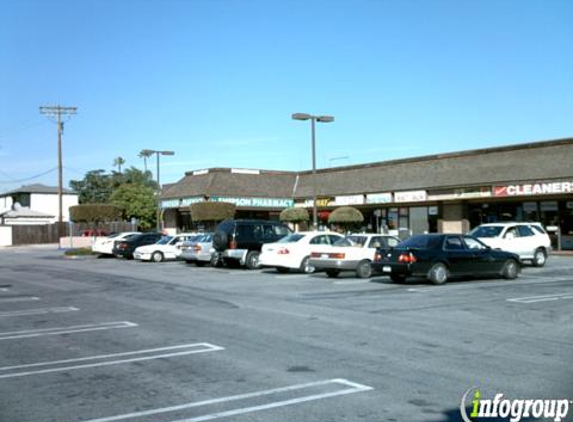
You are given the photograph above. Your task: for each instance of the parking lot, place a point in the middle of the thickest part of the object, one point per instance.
(102, 340)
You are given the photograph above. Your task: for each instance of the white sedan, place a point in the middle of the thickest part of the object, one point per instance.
(166, 248)
(294, 250)
(353, 253)
(104, 246)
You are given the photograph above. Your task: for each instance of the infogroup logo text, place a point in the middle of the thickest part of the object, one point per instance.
(513, 409)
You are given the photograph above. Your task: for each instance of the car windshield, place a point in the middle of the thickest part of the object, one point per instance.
(291, 238)
(486, 231)
(421, 242)
(164, 240)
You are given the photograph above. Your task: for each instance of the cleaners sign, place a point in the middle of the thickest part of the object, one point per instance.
(530, 189)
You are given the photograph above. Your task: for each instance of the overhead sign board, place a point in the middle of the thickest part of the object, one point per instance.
(238, 201)
(411, 196)
(530, 189)
(379, 198)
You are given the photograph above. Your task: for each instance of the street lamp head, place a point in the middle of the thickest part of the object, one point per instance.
(166, 152)
(301, 116)
(325, 119)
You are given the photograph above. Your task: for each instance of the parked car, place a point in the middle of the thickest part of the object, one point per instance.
(198, 251)
(293, 251)
(125, 248)
(352, 253)
(165, 249)
(240, 241)
(441, 256)
(104, 246)
(528, 240)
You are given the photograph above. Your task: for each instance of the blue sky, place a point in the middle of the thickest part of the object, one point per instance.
(217, 81)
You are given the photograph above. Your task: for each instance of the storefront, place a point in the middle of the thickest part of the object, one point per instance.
(442, 193)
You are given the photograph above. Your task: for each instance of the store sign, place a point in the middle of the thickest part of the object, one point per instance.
(481, 192)
(349, 200)
(379, 198)
(528, 189)
(549, 206)
(411, 196)
(320, 202)
(238, 201)
(255, 202)
(570, 205)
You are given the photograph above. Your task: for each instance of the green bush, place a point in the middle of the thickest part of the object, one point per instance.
(94, 213)
(294, 215)
(212, 211)
(79, 252)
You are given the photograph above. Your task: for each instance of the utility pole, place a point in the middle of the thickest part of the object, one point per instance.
(58, 112)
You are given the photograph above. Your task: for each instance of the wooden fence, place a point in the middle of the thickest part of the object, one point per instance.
(51, 233)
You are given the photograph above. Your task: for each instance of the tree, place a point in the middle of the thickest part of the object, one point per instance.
(294, 215)
(94, 188)
(145, 154)
(132, 176)
(118, 162)
(346, 217)
(136, 201)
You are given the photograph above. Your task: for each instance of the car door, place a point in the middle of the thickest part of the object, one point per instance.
(482, 260)
(459, 257)
(528, 241)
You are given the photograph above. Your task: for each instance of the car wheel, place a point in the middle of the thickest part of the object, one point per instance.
(157, 257)
(332, 273)
(364, 270)
(539, 257)
(398, 278)
(305, 266)
(200, 263)
(438, 274)
(283, 270)
(252, 261)
(216, 260)
(510, 270)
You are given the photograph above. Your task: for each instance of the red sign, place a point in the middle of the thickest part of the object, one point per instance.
(530, 189)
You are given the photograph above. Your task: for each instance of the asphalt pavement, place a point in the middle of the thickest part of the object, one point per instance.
(102, 340)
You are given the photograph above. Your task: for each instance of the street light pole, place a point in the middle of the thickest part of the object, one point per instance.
(149, 152)
(313, 120)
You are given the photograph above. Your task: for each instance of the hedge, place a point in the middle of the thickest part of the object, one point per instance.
(345, 215)
(94, 213)
(212, 211)
(294, 215)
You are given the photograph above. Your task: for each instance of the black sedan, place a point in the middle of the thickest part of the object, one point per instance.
(439, 256)
(125, 248)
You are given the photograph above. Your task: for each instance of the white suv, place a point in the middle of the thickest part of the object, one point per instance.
(528, 240)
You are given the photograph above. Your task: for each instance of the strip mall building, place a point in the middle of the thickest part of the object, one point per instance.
(446, 192)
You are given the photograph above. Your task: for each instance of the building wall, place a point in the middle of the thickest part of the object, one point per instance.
(48, 203)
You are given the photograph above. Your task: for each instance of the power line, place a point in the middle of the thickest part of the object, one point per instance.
(28, 178)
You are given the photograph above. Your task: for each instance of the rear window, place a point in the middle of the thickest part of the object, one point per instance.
(360, 240)
(421, 242)
(538, 229)
(486, 231)
(291, 238)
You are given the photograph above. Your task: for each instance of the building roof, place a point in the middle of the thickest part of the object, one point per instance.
(24, 212)
(482, 167)
(37, 188)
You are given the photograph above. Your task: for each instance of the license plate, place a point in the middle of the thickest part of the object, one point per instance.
(324, 256)
(387, 269)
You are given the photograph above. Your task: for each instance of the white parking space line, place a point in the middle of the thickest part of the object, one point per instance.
(66, 330)
(18, 299)
(350, 388)
(521, 281)
(4, 289)
(39, 311)
(542, 298)
(358, 281)
(291, 277)
(136, 356)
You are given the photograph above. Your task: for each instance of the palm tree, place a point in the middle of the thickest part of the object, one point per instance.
(145, 154)
(118, 162)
